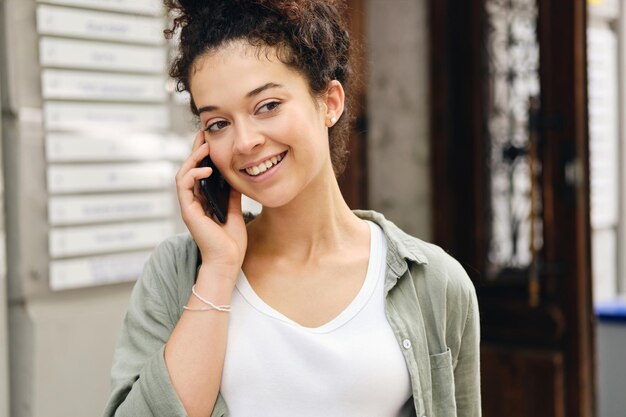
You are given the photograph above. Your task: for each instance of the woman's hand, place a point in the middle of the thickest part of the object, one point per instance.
(221, 246)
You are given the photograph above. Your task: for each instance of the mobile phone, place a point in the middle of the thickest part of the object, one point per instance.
(216, 190)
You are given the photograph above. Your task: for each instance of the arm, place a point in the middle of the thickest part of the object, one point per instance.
(165, 366)
(194, 353)
(140, 381)
(467, 369)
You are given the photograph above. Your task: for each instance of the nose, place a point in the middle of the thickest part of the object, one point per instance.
(247, 139)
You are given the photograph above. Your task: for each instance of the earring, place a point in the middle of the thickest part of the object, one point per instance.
(333, 120)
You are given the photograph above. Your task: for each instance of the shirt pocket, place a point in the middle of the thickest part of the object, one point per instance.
(442, 379)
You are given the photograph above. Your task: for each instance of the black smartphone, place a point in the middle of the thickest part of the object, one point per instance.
(216, 190)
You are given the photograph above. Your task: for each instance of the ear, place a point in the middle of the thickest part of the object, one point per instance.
(334, 100)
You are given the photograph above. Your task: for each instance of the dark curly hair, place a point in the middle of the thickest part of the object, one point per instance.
(307, 35)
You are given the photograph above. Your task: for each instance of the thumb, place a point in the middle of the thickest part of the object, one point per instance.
(234, 203)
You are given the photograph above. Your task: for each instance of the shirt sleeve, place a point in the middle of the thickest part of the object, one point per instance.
(140, 382)
(467, 369)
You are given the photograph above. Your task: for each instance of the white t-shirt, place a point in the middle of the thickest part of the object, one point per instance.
(350, 366)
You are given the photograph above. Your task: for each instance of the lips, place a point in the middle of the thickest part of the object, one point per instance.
(263, 166)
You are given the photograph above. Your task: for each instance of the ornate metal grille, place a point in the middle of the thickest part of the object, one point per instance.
(512, 83)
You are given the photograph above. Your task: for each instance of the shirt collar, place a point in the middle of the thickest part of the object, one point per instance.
(400, 246)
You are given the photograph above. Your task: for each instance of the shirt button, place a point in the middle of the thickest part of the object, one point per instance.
(406, 343)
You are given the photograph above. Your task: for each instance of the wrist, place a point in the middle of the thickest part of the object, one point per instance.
(219, 264)
(215, 281)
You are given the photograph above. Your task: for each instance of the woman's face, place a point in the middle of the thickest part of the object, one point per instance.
(267, 135)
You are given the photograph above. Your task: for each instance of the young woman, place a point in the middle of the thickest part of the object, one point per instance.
(309, 309)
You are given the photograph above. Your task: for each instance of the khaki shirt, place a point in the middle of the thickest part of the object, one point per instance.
(430, 304)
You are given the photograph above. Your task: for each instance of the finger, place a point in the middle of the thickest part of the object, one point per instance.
(198, 140)
(200, 196)
(196, 190)
(234, 204)
(199, 154)
(193, 160)
(234, 208)
(186, 185)
(188, 181)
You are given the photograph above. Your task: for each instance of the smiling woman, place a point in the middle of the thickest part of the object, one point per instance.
(296, 33)
(253, 108)
(309, 309)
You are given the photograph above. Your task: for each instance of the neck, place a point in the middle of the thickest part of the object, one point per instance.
(317, 222)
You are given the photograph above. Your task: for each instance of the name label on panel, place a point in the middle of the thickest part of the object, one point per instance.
(53, 20)
(110, 117)
(85, 240)
(97, 86)
(109, 177)
(121, 146)
(153, 7)
(67, 210)
(96, 270)
(102, 56)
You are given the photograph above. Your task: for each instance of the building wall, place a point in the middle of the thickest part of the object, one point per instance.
(4, 354)
(398, 116)
(62, 354)
(60, 341)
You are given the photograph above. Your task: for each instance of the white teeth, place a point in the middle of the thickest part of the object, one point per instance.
(264, 166)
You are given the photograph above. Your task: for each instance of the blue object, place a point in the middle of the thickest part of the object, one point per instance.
(612, 310)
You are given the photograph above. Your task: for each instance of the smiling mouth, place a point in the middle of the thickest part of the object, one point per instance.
(265, 165)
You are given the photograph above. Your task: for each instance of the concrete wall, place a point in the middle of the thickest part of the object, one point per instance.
(60, 343)
(62, 349)
(398, 116)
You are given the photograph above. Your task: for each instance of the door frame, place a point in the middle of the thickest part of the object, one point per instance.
(353, 181)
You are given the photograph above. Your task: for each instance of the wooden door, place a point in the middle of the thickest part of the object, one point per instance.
(511, 193)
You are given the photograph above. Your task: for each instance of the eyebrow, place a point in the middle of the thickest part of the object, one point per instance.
(250, 94)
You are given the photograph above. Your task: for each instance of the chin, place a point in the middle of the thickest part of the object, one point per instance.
(268, 201)
(274, 203)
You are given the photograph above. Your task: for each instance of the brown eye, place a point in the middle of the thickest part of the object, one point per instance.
(216, 126)
(268, 107)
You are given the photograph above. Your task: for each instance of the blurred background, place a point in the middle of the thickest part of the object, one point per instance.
(494, 128)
